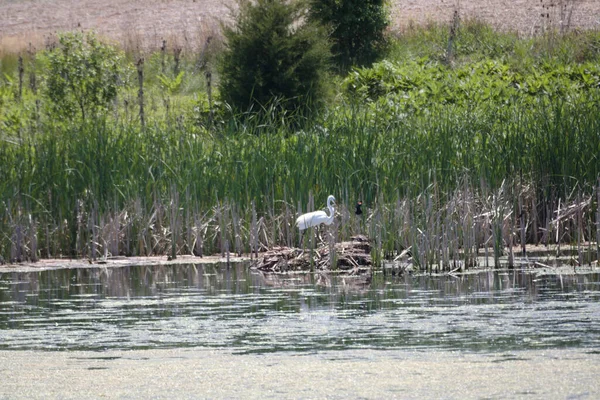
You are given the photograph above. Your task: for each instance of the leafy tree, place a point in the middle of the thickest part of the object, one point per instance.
(273, 53)
(82, 75)
(357, 28)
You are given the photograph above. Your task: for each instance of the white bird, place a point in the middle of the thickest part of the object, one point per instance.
(316, 218)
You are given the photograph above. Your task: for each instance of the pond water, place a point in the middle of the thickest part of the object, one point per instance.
(215, 306)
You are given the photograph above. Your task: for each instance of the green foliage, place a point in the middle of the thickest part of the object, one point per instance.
(400, 127)
(82, 75)
(7, 92)
(171, 85)
(272, 52)
(357, 29)
(419, 86)
(15, 112)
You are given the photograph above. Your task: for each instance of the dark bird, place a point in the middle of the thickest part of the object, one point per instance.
(358, 208)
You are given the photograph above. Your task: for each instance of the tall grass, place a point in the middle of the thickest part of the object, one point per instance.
(68, 180)
(446, 181)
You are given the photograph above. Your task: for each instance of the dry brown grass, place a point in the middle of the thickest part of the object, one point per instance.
(144, 24)
(527, 17)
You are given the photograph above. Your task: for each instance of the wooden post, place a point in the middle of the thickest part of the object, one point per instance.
(163, 53)
(140, 70)
(176, 59)
(209, 95)
(21, 72)
(452, 37)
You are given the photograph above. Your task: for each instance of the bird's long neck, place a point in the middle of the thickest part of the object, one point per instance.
(331, 213)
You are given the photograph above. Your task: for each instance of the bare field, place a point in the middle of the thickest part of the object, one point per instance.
(146, 23)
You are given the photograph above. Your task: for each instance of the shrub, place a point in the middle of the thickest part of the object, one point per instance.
(273, 52)
(82, 75)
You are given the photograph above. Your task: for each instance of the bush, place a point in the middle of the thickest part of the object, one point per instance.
(82, 75)
(273, 53)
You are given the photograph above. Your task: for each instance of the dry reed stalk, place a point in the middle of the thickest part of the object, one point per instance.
(522, 226)
(160, 235)
(254, 232)
(298, 213)
(287, 230)
(187, 224)
(33, 240)
(174, 221)
(93, 226)
(438, 233)
(534, 215)
(237, 234)
(455, 234)
(445, 242)
(331, 240)
(496, 230)
(509, 227)
(589, 240)
(429, 233)
(547, 232)
(147, 237)
(566, 13)
(311, 231)
(272, 222)
(378, 235)
(48, 251)
(142, 242)
(199, 236)
(227, 252)
(598, 221)
(347, 224)
(558, 226)
(16, 251)
(489, 230)
(580, 235)
(111, 233)
(127, 233)
(468, 225)
(220, 228)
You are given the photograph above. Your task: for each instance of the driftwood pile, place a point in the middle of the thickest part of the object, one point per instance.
(352, 257)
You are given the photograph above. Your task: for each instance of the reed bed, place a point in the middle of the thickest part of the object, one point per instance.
(433, 185)
(452, 185)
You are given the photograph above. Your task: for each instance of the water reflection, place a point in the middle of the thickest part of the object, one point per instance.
(216, 306)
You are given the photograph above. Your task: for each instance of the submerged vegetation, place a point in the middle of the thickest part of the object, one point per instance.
(497, 147)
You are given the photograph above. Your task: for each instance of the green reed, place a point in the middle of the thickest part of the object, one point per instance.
(442, 178)
(69, 178)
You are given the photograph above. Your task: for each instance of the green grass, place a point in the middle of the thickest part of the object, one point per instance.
(430, 149)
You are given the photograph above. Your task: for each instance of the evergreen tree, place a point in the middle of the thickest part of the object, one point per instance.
(273, 53)
(357, 28)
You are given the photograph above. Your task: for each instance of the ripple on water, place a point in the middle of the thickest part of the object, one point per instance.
(196, 306)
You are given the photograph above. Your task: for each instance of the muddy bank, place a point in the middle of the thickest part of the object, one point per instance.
(197, 373)
(112, 262)
(353, 258)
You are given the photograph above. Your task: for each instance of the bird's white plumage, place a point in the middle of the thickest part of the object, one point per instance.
(316, 218)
